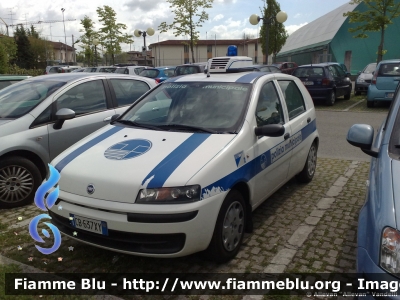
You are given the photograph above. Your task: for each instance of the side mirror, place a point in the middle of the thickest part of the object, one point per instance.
(362, 136)
(271, 130)
(114, 117)
(62, 115)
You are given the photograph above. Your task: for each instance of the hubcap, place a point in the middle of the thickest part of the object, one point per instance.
(233, 226)
(16, 183)
(312, 160)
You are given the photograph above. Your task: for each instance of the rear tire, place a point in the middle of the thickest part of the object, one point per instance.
(307, 174)
(330, 100)
(19, 180)
(370, 104)
(229, 229)
(348, 95)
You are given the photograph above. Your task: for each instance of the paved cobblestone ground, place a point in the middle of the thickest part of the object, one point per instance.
(329, 246)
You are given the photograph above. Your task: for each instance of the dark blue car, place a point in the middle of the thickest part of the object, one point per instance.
(378, 251)
(325, 81)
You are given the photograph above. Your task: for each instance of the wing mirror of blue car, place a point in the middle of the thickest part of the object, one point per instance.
(362, 136)
(271, 130)
(62, 115)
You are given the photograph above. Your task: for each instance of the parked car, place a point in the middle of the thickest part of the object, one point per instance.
(187, 69)
(6, 80)
(364, 79)
(78, 70)
(102, 69)
(52, 69)
(42, 116)
(325, 81)
(286, 67)
(183, 168)
(342, 65)
(60, 69)
(378, 236)
(133, 70)
(384, 81)
(267, 68)
(159, 74)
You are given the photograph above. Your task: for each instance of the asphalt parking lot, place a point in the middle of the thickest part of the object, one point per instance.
(309, 228)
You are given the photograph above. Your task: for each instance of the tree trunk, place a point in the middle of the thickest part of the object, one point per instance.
(380, 47)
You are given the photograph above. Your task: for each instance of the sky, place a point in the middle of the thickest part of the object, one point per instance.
(228, 19)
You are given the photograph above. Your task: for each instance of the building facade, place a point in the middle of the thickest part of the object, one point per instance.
(177, 52)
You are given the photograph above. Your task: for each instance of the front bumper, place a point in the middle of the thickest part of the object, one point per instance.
(142, 229)
(361, 87)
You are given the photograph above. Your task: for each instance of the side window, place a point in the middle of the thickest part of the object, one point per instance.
(128, 91)
(43, 118)
(293, 97)
(340, 71)
(269, 108)
(333, 72)
(85, 98)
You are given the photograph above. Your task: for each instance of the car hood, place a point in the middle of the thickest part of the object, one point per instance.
(4, 121)
(365, 76)
(119, 161)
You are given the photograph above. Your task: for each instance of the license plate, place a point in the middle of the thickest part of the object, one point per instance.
(308, 82)
(89, 224)
(389, 95)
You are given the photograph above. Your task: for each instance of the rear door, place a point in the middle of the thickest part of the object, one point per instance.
(388, 77)
(338, 80)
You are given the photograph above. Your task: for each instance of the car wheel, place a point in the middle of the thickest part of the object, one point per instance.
(370, 103)
(19, 180)
(348, 95)
(229, 229)
(331, 98)
(307, 174)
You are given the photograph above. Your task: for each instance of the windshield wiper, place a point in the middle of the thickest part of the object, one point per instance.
(182, 126)
(133, 123)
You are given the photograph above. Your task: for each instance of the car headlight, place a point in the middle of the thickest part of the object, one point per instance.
(169, 195)
(390, 250)
(360, 80)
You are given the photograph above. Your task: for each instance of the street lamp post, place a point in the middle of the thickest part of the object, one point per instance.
(138, 33)
(254, 20)
(65, 36)
(95, 43)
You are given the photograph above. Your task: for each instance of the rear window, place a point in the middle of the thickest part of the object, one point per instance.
(389, 69)
(151, 73)
(187, 70)
(309, 72)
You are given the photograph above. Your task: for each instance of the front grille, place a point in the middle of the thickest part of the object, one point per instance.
(368, 80)
(126, 241)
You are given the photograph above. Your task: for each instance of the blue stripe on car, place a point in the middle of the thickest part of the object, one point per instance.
(248, 78)
(252, 168)
(169, 164)
(74, 154)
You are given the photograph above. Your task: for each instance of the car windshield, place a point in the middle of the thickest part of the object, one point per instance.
(151, 73)
(389, 69)
(309, 72)
(18, 99)
(370, 68)
(277, 65)
(213, 106)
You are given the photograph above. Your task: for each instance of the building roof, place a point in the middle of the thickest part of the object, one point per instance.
(320, 31)
(205, 42)
(60, 46)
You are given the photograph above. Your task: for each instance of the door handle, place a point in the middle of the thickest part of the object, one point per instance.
(308, 120)
(286, 136)
(108, 119)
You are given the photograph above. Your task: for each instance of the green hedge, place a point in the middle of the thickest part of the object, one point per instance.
(15, 70)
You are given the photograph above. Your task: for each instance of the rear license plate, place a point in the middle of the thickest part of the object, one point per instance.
(389, 95)
(89, 224)
(308, 82)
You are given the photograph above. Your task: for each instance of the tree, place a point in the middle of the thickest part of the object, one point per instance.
(24, 57)
(187, 18)
(40, 47)
(376, 18)
(277, 32)
(87, 38)
(110, 34)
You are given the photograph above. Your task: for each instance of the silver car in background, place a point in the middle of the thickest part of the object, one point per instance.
(41, 117)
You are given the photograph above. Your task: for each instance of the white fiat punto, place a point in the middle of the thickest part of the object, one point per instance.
(184, 167)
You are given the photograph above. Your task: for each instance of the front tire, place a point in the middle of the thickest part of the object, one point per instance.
(229, 229)
(330, 100)
(348, 95)
(370, 104)
(19, 180)
(307, 174)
